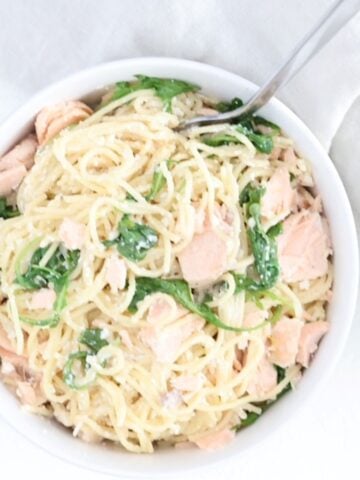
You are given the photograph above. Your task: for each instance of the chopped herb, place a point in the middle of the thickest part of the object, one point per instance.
(165, 88)
(69, 375)
(92, 338)
(134, 239)
(7, 211)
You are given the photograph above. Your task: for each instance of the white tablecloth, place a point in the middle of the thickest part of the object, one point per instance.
(42, 40)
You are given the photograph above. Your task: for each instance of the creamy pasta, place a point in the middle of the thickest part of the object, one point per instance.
(158, 287)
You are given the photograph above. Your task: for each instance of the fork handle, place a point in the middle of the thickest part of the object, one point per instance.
(330, 23)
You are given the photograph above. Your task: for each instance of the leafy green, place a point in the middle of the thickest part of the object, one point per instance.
(60, 265)
(219, 139)
(7, 211)
(249, 420)
(157, 184)
(123, 88)
(275, 230)
(251, 194)
(263, 245)
(208, 297)
(92, 338)
(130, 198)
(263, 143)
(68, 373)
(248, 126)
(56, 272)
(134, 239)
(223, 107)
(264, 249)
(165, 88)
(259, 295)
(281, 374)
(180, 291)
(257, 120)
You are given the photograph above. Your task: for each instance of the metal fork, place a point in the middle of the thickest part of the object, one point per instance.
(328, 25)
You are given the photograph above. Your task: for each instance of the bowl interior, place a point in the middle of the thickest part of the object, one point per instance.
(108, 459)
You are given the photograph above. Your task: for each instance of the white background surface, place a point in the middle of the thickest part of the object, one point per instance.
(41, 41)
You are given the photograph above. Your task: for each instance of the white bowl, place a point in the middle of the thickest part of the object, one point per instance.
(55, 439)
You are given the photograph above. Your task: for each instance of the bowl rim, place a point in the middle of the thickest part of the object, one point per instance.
(23, 116)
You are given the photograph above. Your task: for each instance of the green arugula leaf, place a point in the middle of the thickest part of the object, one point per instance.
(7, 211)
(122, 89)
(92, 338)
(259, 295)
(263, 143)
(223, 107)
(130, 198)
(180, 291)
(249, 420)
(275, 230)
(219, 139)
(165, 88)
(248, 126)
(70, 377)
(57, 272)
(134, 239)
(157, 184)
(281, 372)
(274, 129)
(263, 245)
(251, 194)
(60, 265)
(208, 297)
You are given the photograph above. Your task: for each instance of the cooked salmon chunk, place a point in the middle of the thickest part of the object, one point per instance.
(51, 120)
(303, 247)
(279, 197)
(311, 334)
